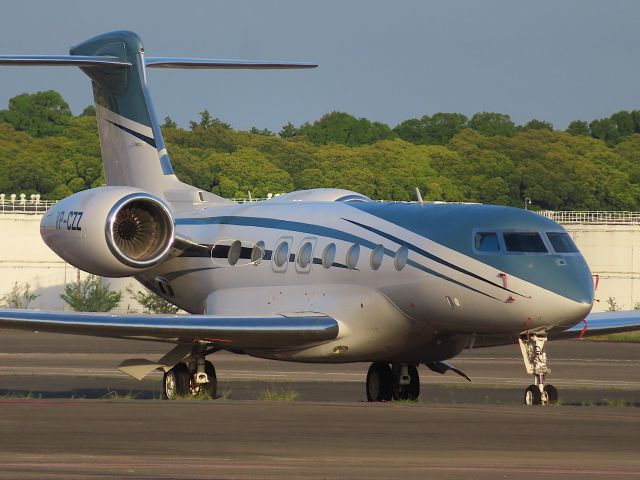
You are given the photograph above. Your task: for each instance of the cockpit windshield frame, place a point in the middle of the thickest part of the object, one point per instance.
(500, 237)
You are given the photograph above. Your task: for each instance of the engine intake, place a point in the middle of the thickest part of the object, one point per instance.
(112, 231)
(139, 230)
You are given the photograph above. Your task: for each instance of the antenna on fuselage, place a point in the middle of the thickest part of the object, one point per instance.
(419, 196)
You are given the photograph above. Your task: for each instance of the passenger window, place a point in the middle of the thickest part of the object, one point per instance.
(282, 254)
(304, 255)
(257, 252)
(562, 242)
(529, 242)
(329, 255)
(377, 255)
(487, 242)
(352, 256)
(402, 255)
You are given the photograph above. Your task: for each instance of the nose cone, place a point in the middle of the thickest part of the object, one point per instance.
(583, 289)
(573, 280)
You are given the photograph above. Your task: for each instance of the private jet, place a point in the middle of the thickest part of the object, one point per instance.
(322, 275)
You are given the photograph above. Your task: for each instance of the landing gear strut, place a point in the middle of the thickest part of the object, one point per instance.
(398, 383)
(535, 361)
(197, 379)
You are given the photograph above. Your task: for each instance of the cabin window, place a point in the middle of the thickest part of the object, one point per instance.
(281, 255)
(329, 255)
(400, 260)
(562, 242)
(524, 242)
(353, 254)
(304, 255)
(377, 255)
(234, 252)
(487, 242)
(257, 252)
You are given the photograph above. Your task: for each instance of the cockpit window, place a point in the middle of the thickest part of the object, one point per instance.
(562, 242)
(526, 242)
(487, 242)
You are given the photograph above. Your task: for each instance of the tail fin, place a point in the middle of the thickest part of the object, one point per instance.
(133, 150)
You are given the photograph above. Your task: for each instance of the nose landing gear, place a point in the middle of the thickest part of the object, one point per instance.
(535, 361)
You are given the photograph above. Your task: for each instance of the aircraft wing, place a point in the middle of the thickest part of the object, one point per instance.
(601, 323)
(233, 332)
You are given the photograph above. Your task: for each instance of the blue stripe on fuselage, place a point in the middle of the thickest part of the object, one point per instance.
(338, 235)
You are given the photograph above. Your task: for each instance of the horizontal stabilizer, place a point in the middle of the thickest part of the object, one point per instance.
(269, 331)
(64, 61)
(179, 62)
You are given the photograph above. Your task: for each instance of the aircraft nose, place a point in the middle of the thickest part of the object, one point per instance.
(585, 289)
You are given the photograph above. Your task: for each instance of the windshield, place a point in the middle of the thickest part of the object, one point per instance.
(527, 242)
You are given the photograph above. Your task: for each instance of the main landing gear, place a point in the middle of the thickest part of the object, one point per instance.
(197, 378)
(535, 361)
(397, 382)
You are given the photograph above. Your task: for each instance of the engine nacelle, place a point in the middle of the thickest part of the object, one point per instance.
(110, 231)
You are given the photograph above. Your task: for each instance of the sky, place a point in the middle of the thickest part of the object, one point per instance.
(554, 60)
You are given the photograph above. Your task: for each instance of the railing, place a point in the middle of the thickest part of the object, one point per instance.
(26, 206)
(618, 218)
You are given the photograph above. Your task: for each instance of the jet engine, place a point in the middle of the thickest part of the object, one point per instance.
(110, 231)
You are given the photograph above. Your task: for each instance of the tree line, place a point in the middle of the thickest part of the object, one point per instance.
(486, 158)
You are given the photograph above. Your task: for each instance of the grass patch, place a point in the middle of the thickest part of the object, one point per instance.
(489, 401)
(286, 394)
(628, 337)
(114, 395)
(617, 403)
(21, 396)
(225, 394)
(408, 400)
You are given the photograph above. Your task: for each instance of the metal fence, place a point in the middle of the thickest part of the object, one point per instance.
(31, 206)
(568, 217)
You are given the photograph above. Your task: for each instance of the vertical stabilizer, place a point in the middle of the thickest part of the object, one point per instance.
(133, 151)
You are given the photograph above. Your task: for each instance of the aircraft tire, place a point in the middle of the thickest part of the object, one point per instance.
(532, 395)
(379, 383)
(552, 394)
(406, 392)
(210, 389)
(176, 382)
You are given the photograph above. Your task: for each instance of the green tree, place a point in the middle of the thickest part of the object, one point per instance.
(437, 129)
(207, 121)
(345, 129)
(89, 111)
(20, 296)
(579, 127)
(605, 129)
(288, 131)
(491, 124)
(151, 302)
(624, 122)
(538, 125)
(90, 295)
(39, 114)
(168, 123)
(265, 131)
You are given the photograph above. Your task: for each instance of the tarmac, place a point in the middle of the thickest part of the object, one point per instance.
(67, 413)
